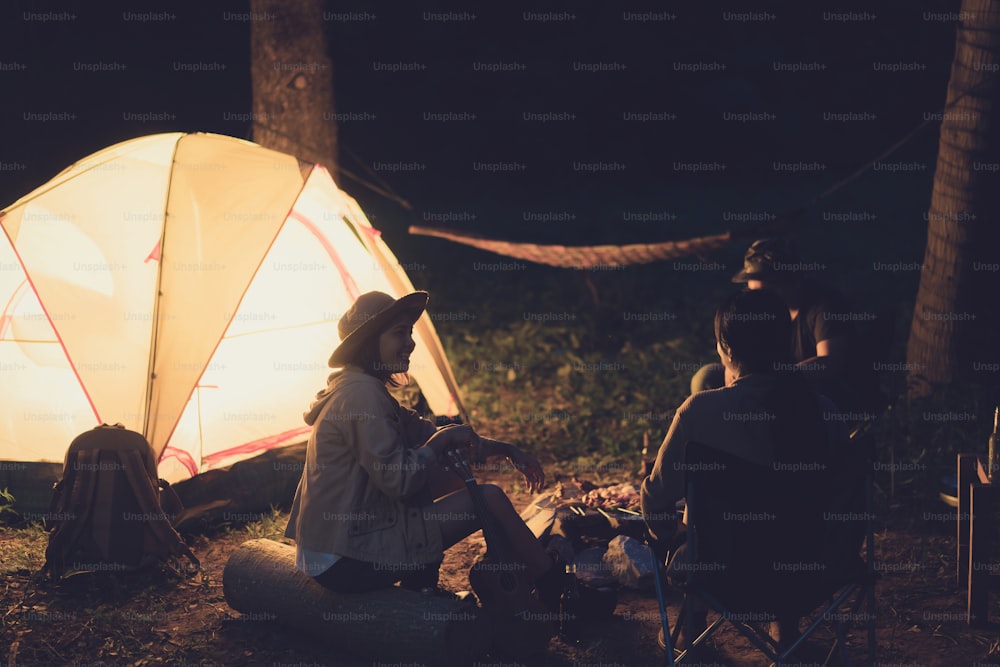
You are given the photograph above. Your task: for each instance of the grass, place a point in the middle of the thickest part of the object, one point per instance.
(270, 526)
(26, 553)
(544, 380)
(153, 620)
(581, 381)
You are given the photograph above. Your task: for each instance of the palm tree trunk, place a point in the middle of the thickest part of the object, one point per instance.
(954, 327)
(292, 77)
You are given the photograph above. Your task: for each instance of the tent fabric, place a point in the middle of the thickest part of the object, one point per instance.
(187, 286)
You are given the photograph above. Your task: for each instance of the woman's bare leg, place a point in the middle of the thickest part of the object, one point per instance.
(459, 520)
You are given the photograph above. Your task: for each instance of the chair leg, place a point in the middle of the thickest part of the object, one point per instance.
(689, 621)
(841, 643)
(754, 636)
(749, 630)
(675, 634)
(659, 575)
(870, 621)
(694, 633)
(870, 560)
(694, 644)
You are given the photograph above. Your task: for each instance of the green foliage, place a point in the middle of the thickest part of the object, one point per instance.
(270, 526)
(923, 438)
(6, 502)
(569, 394)
(580, 367)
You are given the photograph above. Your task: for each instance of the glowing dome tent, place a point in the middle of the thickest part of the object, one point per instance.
(189, 287)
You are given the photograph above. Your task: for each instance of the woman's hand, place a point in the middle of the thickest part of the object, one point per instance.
(455, 436)
(477, 450)
(528, 466)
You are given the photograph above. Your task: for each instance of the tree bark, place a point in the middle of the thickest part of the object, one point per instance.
(292, 75)
(261, 581)
(954, 324)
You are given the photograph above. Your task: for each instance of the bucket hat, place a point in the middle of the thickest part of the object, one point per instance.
(370, 314)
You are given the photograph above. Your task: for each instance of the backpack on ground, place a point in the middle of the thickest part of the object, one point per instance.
(110, 512)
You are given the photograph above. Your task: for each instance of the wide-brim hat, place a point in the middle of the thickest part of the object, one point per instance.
(769, 259)
(370, 314)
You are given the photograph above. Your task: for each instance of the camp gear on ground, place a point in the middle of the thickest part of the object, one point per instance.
(109, 512)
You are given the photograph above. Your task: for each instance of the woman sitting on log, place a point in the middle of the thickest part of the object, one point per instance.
(377, 503)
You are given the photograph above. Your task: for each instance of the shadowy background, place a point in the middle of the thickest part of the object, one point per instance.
(551, 98)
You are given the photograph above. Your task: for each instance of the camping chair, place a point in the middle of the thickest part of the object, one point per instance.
(765, 543)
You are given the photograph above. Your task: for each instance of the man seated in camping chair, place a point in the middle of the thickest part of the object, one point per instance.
(769, 457)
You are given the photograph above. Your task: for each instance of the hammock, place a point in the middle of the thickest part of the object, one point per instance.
(608, 257)
(586, 257)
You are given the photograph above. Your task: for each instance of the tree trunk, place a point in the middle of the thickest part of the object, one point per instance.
(393, 624)
(954, 329)
(292, 76)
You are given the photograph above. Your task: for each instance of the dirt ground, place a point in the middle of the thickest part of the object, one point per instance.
(153, 619)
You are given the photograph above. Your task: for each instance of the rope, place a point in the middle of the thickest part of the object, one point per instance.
(383, 189)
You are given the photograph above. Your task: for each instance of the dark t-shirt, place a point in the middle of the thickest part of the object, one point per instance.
(825, 314)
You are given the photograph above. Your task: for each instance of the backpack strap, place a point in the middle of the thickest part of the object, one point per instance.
(170, 501)
(158, 521)
(68, 530)
(57, 507)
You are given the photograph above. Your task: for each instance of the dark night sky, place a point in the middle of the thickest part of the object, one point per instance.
(845, 53)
